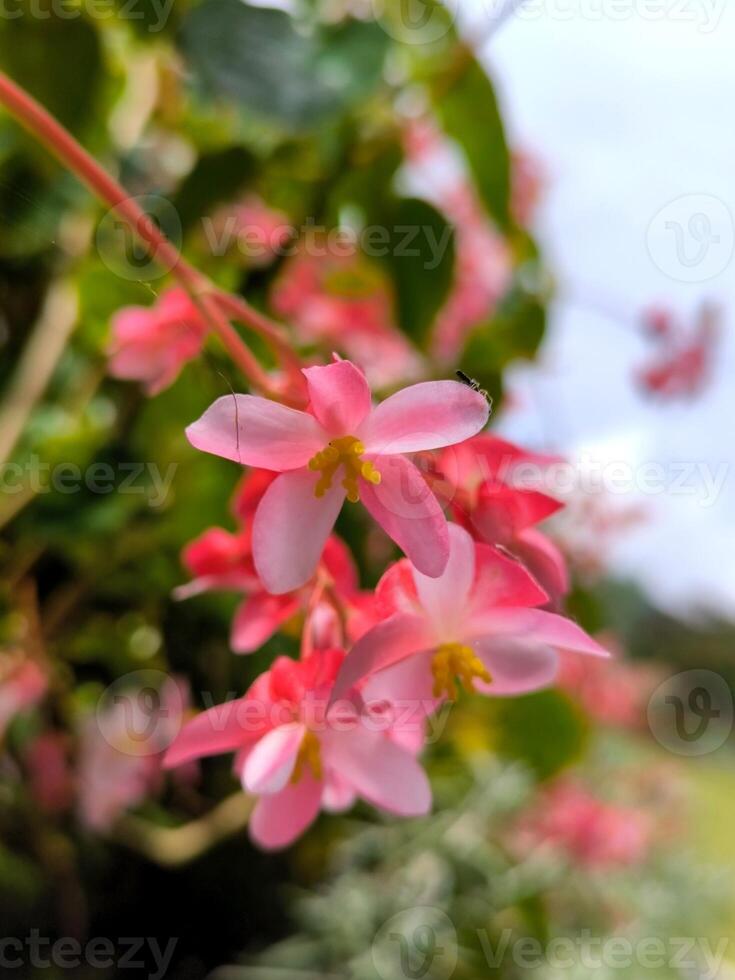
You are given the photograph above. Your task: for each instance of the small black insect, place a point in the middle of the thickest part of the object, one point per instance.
(475, 385)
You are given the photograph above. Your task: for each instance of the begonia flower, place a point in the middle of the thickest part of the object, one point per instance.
(223, 560)
(341, 447)
(151, 344)
(297, 759)
(475, 622)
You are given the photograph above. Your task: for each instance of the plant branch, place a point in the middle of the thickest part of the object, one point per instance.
(41, 124)
(174, 846)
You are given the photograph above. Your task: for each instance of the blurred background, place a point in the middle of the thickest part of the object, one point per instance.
(571, 161)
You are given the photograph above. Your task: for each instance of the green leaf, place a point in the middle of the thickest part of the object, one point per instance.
(259, 58)
(515, 331)
(465, 102)
(57, 59)
(421, 261)
(544, 730)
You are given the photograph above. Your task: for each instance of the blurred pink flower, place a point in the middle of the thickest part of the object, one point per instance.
(683, 362)
(151, 344)
(615, 692)
(23, 684)
(50, 777)
(475, 622)
(297, 760)
(591, 833)
(258, 229)
(121, 749)
(482, 273)
(344, 302)
(341, 435)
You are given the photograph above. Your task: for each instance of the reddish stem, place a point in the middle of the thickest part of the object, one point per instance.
(208, 299)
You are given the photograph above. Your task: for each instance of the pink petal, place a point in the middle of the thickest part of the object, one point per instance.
(270, 764)
(278, 819)
(340, 396)
(546, 628)
(381, 772)
(385, 644)
(404, 506)
(257, 432)
(338, 795)
(408, 684)
(517, 664)
(396, 591)
(544, 560)
(290, 528)
(220, 729)
(258, 618)
(444, 598)
(500, 583)
(502, 511)
(425, 416)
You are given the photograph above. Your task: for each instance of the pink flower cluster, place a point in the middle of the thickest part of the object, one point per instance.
(340, 299)
(461, 610)
(589, 832)
(683, 362)
(151, 344)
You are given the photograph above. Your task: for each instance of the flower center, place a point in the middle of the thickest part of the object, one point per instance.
(453, 660)
(309, 757)
(347, 452)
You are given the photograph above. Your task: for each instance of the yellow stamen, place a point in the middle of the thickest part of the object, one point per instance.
(453, 660)
(309, 757)
(347, 452)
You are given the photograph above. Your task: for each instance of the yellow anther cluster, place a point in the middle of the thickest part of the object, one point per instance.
(309, 757)
(347, 452)
(453, 660)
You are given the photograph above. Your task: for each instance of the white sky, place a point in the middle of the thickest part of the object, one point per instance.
(628, 115)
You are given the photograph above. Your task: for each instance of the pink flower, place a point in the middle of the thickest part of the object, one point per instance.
(684, 361)
(50, 779)
(341, 447)
(614, 692)
(296, 759)
(474, 622)
(121, 751)
(488, 503)
(260, 231)
(221, 560)
(592, 833)
(22, 685)
(151, 344)
(343, 301)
